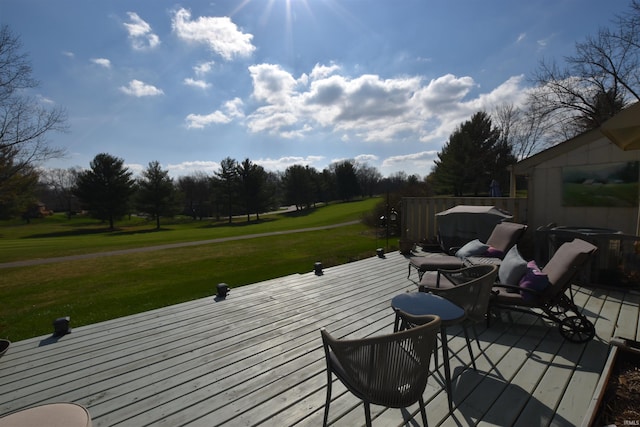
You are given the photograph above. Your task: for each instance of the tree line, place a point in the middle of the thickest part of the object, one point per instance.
(108, 190)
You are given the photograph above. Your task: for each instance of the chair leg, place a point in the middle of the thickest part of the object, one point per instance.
(466, 337)
(367, 413)
(447, 372)
(397, 323)
(423, 411)
(475, 333)
(435, 357)
(328, 402)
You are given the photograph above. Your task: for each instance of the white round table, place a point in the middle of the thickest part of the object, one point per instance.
(49, 415)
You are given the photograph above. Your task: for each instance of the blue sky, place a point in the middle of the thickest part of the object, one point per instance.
(283, 82)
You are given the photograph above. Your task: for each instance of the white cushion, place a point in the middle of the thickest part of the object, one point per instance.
(512, 267)
(473, 248)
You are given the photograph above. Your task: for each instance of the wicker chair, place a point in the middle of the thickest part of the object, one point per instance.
(387, 370)
(469, 288)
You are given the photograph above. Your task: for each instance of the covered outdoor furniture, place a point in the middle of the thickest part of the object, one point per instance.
(553, 302)
(388, 370)
(469, 288)
(463, 223)
(502, 238)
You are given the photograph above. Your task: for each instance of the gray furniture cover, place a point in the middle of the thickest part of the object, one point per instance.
(463, 223)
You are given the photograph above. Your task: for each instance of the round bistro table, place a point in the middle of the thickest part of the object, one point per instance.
(410, 306)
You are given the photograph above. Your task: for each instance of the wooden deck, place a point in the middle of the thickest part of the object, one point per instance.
(256, 358)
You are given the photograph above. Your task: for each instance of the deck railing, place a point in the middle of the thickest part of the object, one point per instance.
(418, 214)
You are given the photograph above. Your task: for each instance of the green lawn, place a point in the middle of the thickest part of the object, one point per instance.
(58, 236)
(99, 289)
(607, 195)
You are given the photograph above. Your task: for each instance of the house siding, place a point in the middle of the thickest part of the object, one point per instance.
(545, 189)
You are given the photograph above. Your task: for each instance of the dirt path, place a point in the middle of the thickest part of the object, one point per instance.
(39, 261)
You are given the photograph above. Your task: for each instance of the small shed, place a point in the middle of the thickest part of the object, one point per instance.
(586, 181)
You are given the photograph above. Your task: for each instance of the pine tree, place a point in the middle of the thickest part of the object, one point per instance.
(106, 188)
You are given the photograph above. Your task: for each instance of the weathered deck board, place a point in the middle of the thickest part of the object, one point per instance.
(256, 358)
(628, 321)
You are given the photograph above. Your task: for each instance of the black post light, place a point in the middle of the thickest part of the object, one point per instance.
(61, 326)
(223, 290)
(390, 216)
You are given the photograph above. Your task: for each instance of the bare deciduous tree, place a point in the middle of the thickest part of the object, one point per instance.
(24, 120)
(522, 129)
(599, 79)
(60, 183)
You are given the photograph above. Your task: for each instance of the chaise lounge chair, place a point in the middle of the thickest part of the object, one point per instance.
(553, 302)
(503, 237)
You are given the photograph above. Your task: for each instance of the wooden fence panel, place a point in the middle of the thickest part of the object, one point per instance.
(419, 213)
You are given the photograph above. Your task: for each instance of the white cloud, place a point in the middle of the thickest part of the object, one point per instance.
(422, 161)
(521, 37)
(139, 89)
(203, 68)
(135, 168)
(367, 107)
(188, 168)
(423, 156)
(232, 110)
(103, 62)
(199, 121)
(366, 158)
(444, 93)
(44, 100)
(322, 71)
(197, 83)
(220, 34)
(283, 163)
(542, 43)
(140, 33)
(271, 83)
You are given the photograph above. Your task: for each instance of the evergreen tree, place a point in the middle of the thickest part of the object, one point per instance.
(473, 156)
(346, 180)
(197, 194)
(253, 181)
(228, 180)
(156, 195)
(106, 188)
(298, 186)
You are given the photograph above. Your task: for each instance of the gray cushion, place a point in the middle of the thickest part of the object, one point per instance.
(505, 235)
(438, 262)
(474, 247)
(512, 268)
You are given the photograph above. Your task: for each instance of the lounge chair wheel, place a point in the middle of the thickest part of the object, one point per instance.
(577, 329)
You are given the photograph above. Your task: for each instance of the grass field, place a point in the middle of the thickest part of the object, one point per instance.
(98, 289)
(608, 195)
